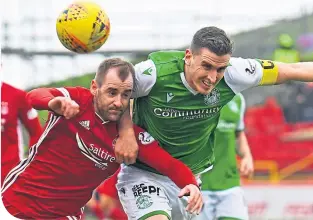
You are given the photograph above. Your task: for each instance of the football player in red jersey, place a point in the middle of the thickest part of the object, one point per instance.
(15, 110)
(75, 151)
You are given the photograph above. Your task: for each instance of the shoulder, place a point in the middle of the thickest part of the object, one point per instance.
(243, 73)
(159, 65)
(167, 62)
(85, 96)
(70, 91)
(166, 56)
(79, 94)
(146, 67)
(244, 66)
(82, 90)
(160, 58)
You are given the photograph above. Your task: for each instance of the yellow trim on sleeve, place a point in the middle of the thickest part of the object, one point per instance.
(270, 72)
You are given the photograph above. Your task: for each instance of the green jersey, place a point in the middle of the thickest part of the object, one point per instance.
(225, 174)
(181, 119)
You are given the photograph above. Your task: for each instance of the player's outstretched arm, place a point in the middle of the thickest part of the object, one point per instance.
(156, 157)
(53, 100)
(64, 106)
(302, 71)
(243, 74)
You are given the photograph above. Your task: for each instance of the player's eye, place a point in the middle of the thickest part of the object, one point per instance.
(221, 70)
(126, 95)
(112, 92)
(207, 66)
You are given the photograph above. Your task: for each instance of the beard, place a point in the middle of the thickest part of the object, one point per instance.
(107, 113)
(111, 114)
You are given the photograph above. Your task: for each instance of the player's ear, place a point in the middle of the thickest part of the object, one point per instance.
(93, 87)
(188, 56)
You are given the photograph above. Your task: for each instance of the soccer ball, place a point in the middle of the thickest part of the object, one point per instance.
(83, 27)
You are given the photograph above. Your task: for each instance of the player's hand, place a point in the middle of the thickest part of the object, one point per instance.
(195, 200)
(246, 166)
(64, 106)
(126, 148)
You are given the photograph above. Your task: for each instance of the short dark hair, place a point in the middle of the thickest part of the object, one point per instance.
(124, 69)
(212, 38)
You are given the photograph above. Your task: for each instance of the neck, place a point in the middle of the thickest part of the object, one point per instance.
(97, 112)
(95, 106)
(188, 77)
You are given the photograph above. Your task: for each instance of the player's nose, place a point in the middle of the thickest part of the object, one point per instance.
(212, 76)
(118, 101)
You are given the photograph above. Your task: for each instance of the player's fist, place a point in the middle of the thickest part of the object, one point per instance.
(246, 166)
(64, 106)
(126, 149)
(195, 200)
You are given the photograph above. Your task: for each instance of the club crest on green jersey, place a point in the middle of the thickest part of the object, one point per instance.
(213, 97)
(144, 202)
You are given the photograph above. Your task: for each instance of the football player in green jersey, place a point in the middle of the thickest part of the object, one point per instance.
(221, 186)
(178, 97)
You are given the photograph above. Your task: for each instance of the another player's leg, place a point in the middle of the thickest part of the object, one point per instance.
(232, 205)
(94, 207)
(112, 207)
(209, 208)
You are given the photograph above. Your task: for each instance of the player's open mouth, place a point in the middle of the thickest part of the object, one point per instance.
(206, 83)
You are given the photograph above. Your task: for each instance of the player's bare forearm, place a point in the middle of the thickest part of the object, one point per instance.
(302, 71)
(126, 147)
(125, 124)
(243, 149)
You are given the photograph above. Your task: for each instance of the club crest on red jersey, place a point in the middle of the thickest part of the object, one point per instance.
(145, 138)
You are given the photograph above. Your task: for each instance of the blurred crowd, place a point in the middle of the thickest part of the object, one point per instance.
(298, 106)
(295, 98)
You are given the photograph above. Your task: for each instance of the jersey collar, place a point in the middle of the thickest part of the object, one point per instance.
(183, 79)
(103, 121)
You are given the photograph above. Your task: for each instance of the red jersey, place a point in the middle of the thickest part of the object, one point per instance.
(72, 157)
(15, 110)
